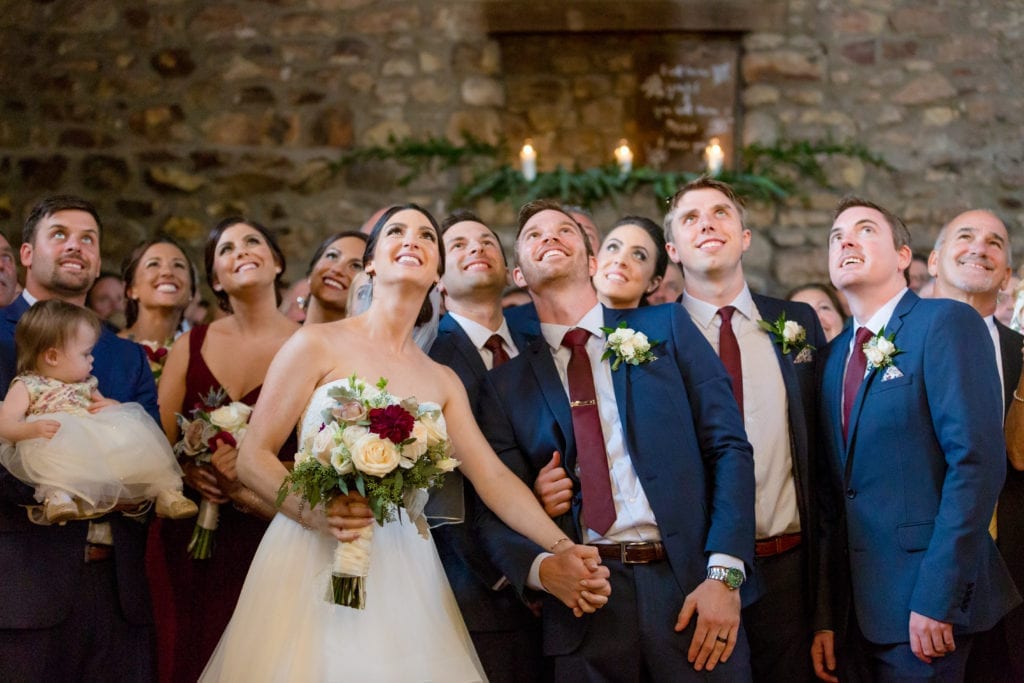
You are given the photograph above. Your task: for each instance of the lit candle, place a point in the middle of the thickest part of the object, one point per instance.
(624, 157)
(715, 156)
(528, 157)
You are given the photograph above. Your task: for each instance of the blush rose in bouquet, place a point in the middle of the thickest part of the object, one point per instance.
(213, 419)
(392, 451)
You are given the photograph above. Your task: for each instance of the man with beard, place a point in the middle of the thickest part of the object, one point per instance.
(75, 601)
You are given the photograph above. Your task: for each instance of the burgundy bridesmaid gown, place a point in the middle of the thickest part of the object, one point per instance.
(193, 599)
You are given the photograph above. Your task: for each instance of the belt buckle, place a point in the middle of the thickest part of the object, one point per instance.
(624, 548)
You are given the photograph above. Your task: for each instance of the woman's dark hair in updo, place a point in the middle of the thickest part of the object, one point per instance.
(328, 241)
(427, 310)
(131, 264)
(210, 256)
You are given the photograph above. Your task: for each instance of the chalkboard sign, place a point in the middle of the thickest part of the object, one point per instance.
(685, 97)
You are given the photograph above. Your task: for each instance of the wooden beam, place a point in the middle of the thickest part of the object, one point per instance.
(595, 16)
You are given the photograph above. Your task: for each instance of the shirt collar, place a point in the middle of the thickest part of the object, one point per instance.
(881, 317)
(592, 321)
(29, 299)
(704, 313)
(479, 334)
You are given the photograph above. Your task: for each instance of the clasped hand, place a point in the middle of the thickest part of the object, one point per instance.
(576, 576)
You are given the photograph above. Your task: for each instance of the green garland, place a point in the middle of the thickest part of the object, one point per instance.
(769, 173)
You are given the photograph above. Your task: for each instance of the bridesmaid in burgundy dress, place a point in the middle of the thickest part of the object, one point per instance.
(243, 267)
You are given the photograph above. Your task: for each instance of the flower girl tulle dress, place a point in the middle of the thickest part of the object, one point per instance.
(116, 455)
(285, 629)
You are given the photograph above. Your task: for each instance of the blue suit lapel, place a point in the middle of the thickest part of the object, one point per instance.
(538, 355)
(770, 311)
(619, 377)
(460, 340)
(891, 329)
(832, 389)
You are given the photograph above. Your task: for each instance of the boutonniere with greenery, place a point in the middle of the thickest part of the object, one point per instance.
(880, 350)
(627, 345)
(789, 334)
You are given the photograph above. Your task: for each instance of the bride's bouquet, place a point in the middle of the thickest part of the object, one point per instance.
(213, 419)
(389, 450)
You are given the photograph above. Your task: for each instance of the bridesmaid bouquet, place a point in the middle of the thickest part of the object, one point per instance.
(213, 419)
(389, 450)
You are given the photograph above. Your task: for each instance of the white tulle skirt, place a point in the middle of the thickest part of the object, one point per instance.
(118, 454)
(285, 630)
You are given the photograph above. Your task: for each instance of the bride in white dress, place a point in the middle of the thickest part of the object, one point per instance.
(284, 628)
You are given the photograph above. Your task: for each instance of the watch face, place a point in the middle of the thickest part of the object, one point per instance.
(734, 578)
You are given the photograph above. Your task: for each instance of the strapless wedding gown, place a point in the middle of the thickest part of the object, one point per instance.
(284, 629)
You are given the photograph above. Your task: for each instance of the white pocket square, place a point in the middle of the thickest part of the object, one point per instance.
(891, 372)
(805, 355)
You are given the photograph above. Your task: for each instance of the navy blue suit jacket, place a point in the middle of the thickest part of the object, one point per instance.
(800, 380)
(1010, 520)
(910, 492)
(522, 320)
(40, 564)
(685, 438)
(470, 572)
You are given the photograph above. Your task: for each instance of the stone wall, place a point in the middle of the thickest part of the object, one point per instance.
(173, 113)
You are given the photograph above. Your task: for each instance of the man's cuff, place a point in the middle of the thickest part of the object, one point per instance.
(723, 560)
(533, 580)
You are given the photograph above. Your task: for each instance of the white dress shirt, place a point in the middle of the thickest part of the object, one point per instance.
(634, 519)
(765, 411)
(990, 322)
(478, 334)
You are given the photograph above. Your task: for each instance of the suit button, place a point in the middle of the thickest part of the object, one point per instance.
(851, 493)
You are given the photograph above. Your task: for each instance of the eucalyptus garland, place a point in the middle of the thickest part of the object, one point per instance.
(769, 173)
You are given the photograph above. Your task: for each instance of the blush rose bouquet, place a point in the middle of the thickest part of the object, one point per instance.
(213, 419)
(390, 450)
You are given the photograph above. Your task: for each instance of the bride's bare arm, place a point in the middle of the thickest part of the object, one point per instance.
(291, 379)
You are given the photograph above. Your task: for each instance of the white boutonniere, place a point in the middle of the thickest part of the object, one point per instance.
(627, 345)
(880, 351)
(790, 335)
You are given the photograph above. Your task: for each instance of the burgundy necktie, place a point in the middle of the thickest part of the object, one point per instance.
(729, 352)
(591, 457)
(854, 374)
(498, 354)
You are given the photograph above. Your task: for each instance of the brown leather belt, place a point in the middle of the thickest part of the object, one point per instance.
(632, 553)
(96, 552)
(776, 545)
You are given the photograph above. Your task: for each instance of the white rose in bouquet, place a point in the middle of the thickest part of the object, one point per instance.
(411, 452)
(433, 423)
(375, 456)
(324, 442)
(353, 433)
(231, 417)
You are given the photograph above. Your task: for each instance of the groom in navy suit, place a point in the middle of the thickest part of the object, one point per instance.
(662, 472)
(473, 338)
(75, 604)
(911, 412)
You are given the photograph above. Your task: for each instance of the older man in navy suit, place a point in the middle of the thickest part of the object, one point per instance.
(473, 338)
(911, 413)
(661, 469)
(774, 381)
(75, 604)
(971, 263)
